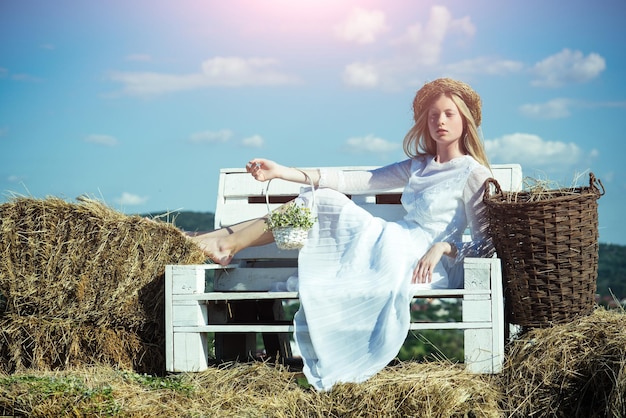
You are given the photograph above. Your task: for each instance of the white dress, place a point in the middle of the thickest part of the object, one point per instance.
(354, 273)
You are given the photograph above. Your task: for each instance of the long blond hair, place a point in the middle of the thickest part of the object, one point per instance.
(419, 142)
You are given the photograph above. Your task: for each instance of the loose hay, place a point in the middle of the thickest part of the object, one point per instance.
(80, 268)
(250, 390)
(417, 389)
(53, 343)
(570, 370)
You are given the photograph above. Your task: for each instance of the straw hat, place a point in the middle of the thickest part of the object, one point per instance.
(440, 86)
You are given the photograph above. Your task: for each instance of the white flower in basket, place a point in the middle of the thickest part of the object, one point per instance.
(290, 224)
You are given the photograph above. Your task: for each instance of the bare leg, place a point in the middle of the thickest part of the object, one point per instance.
(227, 230)
(221, 245)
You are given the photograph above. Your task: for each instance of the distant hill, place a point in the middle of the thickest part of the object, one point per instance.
(186, 220)
(612, 271)
(611, 265)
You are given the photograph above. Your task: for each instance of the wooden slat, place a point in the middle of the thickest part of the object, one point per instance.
(388, 199)
(252, 279)
(415, 326)
(241, 197)
(262, 200)
(223, 296)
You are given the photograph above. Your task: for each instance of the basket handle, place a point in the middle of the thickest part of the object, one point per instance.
(267, 195)
(491, 181)
(594, 183)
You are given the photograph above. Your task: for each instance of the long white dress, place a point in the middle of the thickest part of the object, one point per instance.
(354, 273)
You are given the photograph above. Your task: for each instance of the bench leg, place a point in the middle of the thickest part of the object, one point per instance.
(478, 350)
(484, 348)
(184, 351)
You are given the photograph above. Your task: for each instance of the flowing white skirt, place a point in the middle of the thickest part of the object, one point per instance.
(354, 283)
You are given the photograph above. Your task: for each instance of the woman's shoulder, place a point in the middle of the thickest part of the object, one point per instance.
(478, 173)
(474, 166)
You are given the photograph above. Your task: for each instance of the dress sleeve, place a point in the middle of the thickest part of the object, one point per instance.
(480, 244)
(355, 182)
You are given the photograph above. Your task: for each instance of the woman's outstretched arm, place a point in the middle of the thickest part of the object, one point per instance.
(263, 170)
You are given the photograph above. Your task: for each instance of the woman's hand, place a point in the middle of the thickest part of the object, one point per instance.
(263, 170)
(423, 272)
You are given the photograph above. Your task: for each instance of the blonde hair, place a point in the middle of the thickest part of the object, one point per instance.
(418, 141)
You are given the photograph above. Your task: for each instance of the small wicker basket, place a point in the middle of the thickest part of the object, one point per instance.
(290, 237)
(549, 251)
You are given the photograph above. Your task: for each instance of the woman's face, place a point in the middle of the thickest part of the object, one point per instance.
(445, 122)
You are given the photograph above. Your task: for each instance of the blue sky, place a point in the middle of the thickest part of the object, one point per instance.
(140, 103)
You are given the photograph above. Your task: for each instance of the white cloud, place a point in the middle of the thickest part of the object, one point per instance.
(13, 178)
(204, 137)
(562, 108)
(254, 141)
(25, 77)
(426, 41)
(216, 72)
(418, 51)
(608, 176)
(4, 73)
(370, 144)
(361, 75)
(362, 26)
(49, 47)
(139, 57)
(235, 71)
(533, 152)
(106, 140)
(485, 65)
(150, 84)
(129, 199)
(553, 109)
(567, 67)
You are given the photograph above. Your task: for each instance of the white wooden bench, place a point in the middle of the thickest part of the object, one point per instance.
(240, 304)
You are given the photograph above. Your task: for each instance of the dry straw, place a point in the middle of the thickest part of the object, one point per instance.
(251, 390)
(569, 370)
(576, 369)
(83, 282)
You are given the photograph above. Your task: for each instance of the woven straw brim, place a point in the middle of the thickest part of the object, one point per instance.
(436, 88)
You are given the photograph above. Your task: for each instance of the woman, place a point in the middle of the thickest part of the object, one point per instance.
(357, 273)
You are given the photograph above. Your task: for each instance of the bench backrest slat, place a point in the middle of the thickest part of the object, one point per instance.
(241, 197)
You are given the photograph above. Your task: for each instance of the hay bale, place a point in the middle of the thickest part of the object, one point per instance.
(87, 265)
(438, 389)
(31, 342)
(408, 389)
(575, 370)
(251, 390)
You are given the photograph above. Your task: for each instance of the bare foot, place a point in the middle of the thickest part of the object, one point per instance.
(216, 248)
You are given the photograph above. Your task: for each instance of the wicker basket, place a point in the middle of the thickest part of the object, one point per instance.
(549, 250)
(290, 238)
